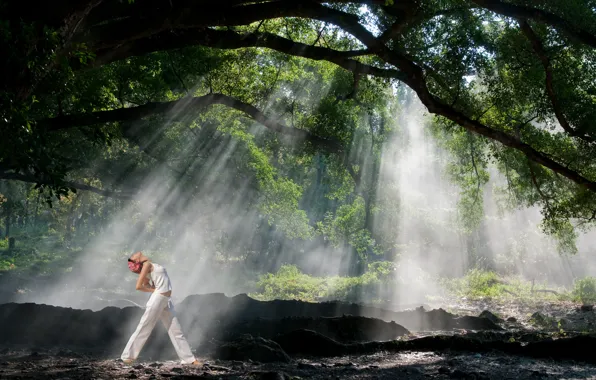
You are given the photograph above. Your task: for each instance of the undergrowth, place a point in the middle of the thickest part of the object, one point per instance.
(483, 284)
(48, 254)
(290, 283)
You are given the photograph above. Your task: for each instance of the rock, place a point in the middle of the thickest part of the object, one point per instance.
(257, 349)
(309, 342)
(108, 329)
(413, 370)
(480, 375)
(475, 323)
(306, 366)
(512, 319)
(538, 318)
(459, 374)
(214, 367)
(586, 308)
(344, 329)
(68, 354)
(490, 316)
(344, 365)
(269, 375)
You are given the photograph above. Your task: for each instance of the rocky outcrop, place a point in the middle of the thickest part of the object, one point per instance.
(209, 320)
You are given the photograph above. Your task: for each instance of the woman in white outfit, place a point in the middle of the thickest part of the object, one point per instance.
(154, 279)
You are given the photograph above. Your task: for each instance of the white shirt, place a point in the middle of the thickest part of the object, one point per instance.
(160, 279)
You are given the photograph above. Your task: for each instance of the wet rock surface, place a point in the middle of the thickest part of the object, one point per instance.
(405, 365)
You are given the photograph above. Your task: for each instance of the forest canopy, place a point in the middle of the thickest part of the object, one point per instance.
(96, 94)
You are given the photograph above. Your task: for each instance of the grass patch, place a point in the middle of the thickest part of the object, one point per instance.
(483, 284)
(584, 290)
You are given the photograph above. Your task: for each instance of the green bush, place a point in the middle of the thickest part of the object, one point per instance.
(290, 283)
(584, 290)
(479, 283)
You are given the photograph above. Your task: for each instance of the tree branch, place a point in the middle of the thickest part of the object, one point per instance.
(154, 25)
(517, 11)
(414, 78)
(472, 153)
(156, 108)
(409, 72)
(550, 91)
(545, 199)
(227, 39)
(72, 185)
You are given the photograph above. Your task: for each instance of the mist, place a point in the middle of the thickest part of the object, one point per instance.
(204, 224)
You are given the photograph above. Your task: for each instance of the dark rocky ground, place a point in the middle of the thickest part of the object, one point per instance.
(240, 338)
(405, 365)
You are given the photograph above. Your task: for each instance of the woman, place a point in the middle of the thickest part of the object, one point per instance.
(154, 279)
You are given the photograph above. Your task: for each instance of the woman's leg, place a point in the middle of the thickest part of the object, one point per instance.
(156, 304)
(170, 322)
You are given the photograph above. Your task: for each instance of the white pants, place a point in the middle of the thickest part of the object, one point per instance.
(158, 307)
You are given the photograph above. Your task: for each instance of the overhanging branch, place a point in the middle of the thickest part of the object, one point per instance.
(156, 108)
(550, 90)
(415, 80)
(518, 11)
(72, 185)
(227, 39)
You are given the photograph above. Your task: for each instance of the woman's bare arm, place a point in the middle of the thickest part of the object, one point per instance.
(143, 281)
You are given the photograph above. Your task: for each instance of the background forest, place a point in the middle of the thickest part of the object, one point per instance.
(299, 153)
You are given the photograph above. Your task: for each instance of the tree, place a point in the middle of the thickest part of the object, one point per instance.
(519, 77)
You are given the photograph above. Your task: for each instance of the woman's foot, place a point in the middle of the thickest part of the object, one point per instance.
(196, 363)
(127, 361)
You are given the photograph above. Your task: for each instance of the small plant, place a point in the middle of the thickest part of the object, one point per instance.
(6, 264)
(584, 290)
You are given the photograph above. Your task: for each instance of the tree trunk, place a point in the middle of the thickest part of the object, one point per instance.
(7, 225)
(25, 218)
(36, 214)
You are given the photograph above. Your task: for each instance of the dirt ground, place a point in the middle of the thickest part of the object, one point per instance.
(407, 365)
